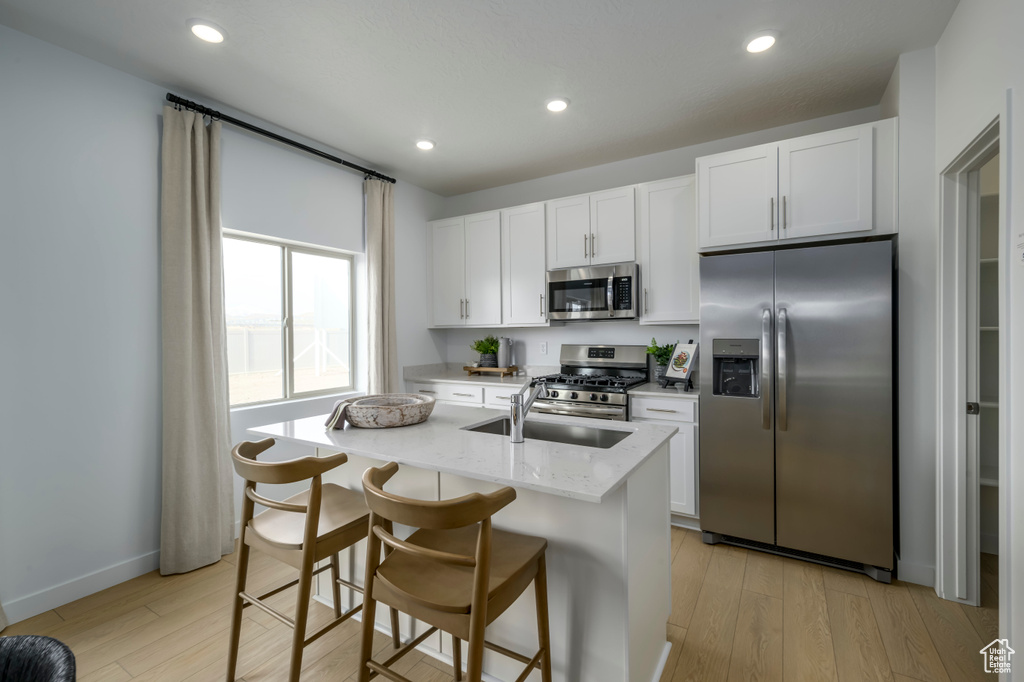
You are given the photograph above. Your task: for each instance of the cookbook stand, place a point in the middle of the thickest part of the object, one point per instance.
(680, 366)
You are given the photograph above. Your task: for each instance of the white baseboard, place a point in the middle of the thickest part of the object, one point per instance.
(58, 595)
(690, 522)
(990, 543)
(919, 574)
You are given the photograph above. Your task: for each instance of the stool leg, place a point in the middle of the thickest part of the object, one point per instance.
(301, 613)
(335, 585)
(457, 657)
(366, 643)
(540, 584)
(241, 568)
(396, 635)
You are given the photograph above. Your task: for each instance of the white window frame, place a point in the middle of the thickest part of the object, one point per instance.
(289, 247)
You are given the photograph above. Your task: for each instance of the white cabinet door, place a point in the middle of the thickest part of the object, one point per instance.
(523, 266)
(737, 196)
(483, 269)
(682, 467)
(568, 232)
(448, 269)
(826, 183)
(669, 268)
(613, 226)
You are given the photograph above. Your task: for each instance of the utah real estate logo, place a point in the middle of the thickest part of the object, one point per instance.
(997, 656)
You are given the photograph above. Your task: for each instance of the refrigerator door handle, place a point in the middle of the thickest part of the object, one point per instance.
(766, 377)
(781, 417)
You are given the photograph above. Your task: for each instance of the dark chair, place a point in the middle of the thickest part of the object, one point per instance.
(32, 658)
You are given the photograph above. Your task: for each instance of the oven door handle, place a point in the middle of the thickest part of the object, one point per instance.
(610, 297)
(580, 411)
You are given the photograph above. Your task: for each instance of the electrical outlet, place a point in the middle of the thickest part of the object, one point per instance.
(543, 347)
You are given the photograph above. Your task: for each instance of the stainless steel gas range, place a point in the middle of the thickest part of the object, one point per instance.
(594, 381)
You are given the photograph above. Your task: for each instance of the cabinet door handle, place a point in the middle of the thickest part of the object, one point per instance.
(785, 221)
(645, 301)
(503, 397)
(658, 409)
(542, 305)
(771, 214)
(467, 308)
(462, 315)
(593, 245)
(464, 395)
(423, 390)
(585, 246)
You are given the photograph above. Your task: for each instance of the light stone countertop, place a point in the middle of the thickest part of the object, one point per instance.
(461, 377)
(440, 444)
(653, 390)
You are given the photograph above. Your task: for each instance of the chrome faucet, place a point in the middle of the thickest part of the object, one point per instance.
(520, 408)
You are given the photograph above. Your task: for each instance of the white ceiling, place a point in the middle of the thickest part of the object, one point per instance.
(371, 77)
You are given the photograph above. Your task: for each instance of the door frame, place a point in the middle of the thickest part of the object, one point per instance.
(957, 560)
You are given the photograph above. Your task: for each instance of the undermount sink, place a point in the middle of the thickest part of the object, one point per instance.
(556, 433)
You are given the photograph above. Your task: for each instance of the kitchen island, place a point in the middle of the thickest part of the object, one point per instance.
(604, 512)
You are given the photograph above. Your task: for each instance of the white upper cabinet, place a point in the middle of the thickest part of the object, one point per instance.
(568, 234)
(483, 269)
(834, 183)
(593, 229)
(613, 226)
(466, 270)
(669, 269)
(825, 183)
(737, 199)
(448, 265)
(523, 266)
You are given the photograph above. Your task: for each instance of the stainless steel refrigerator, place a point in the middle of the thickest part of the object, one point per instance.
(796, 402)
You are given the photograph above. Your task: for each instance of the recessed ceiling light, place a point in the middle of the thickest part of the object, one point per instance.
(760, 42)
(206, 30)
(425, 145)
(557, 105)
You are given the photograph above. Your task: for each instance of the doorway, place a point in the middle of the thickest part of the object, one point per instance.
(971, 356)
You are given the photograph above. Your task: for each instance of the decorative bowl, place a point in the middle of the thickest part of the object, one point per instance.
(388, 410)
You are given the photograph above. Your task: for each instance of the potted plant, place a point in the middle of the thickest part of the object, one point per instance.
(661, 355)
(488, 349)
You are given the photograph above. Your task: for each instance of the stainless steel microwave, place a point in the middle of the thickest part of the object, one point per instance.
(607, 292)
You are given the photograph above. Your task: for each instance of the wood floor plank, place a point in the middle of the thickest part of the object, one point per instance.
(757, 646)
(276, 667)
(343, 661)
(763, 574)
(36, 625)
(677, 536)
(985, 618)
(860, 654)
(109, 673)
(688, 569)
(808, 653)
(907, 643)
(844, 581)
(955, 638)
(676, 637)
(709, 639)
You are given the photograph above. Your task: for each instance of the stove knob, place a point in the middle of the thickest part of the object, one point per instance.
(553, 394)
(593, 396)
(604, 398)
(573, 395)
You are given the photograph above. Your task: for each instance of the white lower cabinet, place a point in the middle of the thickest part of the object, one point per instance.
(499, 397)
(452, 393)
(683, 461)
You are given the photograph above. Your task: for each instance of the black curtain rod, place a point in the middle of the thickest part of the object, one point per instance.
(212, 113)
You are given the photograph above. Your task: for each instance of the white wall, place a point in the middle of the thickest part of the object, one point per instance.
(912, 94)
(978, 76)
(80, 294)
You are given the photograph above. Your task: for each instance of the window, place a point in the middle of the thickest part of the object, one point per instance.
(289, 320)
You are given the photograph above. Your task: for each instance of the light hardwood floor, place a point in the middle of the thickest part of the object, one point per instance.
(737, 616)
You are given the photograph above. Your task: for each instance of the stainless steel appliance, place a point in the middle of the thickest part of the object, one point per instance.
(593, 382)
(797, 400)
(607, 292)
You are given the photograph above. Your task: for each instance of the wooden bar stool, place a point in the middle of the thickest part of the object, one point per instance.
(300, 531)
(455, 573)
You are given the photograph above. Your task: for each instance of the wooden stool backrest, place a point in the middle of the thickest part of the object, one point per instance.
(459, 512)
(243, 456)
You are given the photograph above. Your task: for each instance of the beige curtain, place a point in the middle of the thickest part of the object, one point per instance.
(197, 522)
(380, 270)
